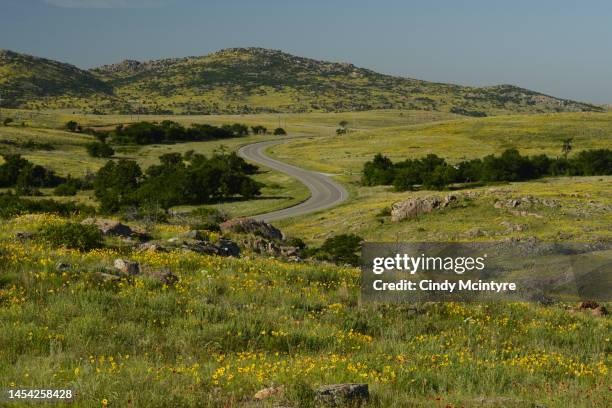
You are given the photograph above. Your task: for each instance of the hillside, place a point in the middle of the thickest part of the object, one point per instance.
(252, 80)
(27, 81)
(243, 80)
(225, 328)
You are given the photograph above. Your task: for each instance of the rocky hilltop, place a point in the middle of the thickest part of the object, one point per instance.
(251, 80)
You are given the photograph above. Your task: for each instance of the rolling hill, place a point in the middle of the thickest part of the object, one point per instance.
(253, 80)
(27, 81)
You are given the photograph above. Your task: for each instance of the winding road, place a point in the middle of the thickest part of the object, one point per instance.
(324, 192)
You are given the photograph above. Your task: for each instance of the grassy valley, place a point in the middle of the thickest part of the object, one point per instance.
(192, 328)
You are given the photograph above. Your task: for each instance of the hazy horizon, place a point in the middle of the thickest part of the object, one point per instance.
(554, 47)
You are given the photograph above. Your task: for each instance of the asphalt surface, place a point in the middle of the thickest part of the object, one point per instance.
(324, 192)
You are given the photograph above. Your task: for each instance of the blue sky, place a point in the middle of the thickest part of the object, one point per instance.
(561, 47)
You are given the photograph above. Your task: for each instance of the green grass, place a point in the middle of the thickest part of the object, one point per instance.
(231, 327)
(234, 326)
(583, 214)
(455, 140)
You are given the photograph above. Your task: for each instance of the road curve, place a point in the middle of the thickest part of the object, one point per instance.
(324, 192)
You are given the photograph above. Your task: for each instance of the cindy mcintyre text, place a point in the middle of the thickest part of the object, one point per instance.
(444, 286)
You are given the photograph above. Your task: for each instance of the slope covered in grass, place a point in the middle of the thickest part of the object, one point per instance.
(230, 327)
(455, 140)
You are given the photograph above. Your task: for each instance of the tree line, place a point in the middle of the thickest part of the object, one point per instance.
(435, 173)
(167, 131)
(178, 179)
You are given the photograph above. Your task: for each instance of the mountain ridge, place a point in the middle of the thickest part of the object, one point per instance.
(254, 80)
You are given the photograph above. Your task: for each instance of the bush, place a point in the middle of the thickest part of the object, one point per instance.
(279, 131)
(100, 149)
(69, 188)
(72, 126)
(17, 171)
(341, 249)
(7, 121)
(72, 235)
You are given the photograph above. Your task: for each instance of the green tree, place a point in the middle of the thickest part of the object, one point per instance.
(72, 126)
(115, 184)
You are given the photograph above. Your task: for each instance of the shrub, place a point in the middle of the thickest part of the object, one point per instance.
(71, 126)
(17, 171)
(100, 149)
(279, 131)
(71, 235)
(7, 121)
(69, 188)
(341, 249)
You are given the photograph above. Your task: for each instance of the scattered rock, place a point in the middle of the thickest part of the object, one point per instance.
(107, 277)
(62, 267)
(510, 227)
(413, 207)
(166, 277)
(475, 232)
(268, 392)
(343, 394)
(225, 247)
(194, 234)
(449, 199)
(228, 248)
(263, 246)
(525, 214)
(589, 304)
(251, 226)
(23, 236)
(109, 227)
(151, 247)
(525, 202)
(128, 267)
(599, 311)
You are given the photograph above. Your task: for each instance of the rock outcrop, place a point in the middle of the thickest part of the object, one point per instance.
(251, 226)
(412, 208)
(343, 394)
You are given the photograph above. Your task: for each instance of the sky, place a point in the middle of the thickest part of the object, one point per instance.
(558, 47)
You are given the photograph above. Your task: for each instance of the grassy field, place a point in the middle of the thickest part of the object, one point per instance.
(454, 139)
(68, 156)
(233, 326)
(582, 213)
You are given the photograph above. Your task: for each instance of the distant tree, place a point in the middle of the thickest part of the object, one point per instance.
(378, 171)
(259, 130)
(72, 126)
(343, 124)
(98, 149)
(279, 131)
(567, 147)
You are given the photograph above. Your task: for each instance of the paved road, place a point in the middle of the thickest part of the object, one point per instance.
(324, 192)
